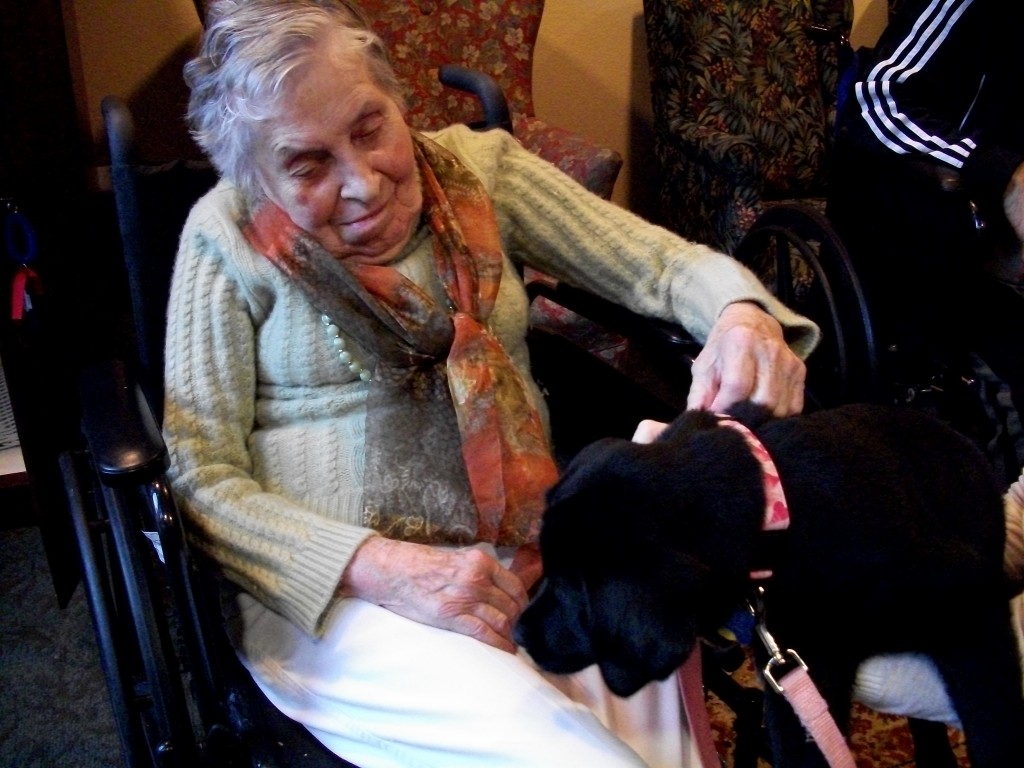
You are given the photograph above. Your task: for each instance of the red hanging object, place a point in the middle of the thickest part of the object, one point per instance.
(20, 243)
(24, 283)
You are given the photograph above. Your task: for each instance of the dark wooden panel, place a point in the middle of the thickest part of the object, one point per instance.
(42, 170)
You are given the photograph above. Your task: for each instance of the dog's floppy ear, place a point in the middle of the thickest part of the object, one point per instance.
(644, 628)
(554, 628)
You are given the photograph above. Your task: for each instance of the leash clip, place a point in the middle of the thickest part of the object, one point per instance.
(779, 658)
(802, 695)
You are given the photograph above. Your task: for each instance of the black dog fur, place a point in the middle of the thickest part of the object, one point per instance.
(895, 544)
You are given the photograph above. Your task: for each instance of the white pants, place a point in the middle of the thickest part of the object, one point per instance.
(384, 691)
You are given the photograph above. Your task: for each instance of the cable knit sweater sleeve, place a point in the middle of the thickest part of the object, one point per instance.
(549, 222)
(286, 554)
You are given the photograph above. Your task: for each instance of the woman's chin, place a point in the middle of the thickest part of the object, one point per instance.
(371, 251)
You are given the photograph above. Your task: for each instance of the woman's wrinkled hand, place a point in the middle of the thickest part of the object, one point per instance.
(462, 590)
(747, 358)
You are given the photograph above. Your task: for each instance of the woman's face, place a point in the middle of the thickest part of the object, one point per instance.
(338, 159)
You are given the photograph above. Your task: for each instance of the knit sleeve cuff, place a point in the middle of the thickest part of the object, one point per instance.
(709, 287)
(310, 595)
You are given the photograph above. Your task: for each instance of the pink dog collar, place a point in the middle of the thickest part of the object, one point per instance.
(776, 511)
(795, 685)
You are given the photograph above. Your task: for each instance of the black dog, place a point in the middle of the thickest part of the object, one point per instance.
(895, 544)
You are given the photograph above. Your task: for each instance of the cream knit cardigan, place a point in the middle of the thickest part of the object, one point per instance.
(266, 427)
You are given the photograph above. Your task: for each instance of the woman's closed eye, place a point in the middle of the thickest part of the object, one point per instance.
(308, 165)
(368, 128)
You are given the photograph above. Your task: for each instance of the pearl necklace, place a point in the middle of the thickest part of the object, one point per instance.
(341, 347)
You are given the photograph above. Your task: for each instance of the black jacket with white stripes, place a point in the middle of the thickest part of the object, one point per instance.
(945, 83)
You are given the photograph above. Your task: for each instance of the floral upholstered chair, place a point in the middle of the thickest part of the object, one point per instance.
(743, 94)
(496, 38)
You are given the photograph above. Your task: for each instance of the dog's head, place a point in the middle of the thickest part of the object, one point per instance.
(636, 556)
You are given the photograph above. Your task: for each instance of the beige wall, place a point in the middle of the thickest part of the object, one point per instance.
(869, 19)
(590, 76)
(134, 49)
(590, 70)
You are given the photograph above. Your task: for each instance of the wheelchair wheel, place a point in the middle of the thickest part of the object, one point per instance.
(148, 701)
(99, 594)
(795, 252)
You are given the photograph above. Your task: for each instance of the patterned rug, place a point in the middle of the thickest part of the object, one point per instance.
(55, 710)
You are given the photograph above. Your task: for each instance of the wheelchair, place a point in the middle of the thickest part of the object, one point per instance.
(934, 350)
(179, 694)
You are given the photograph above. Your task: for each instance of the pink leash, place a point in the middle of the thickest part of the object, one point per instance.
(795, 685)
(691, 691)
(801, 693)
(813, 712)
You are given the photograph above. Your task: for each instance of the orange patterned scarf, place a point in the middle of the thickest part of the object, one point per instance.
(456, 452)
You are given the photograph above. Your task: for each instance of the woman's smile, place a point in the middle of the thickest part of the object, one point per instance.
(357, 226)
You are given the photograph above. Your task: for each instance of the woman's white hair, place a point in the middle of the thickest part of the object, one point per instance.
(248, 50)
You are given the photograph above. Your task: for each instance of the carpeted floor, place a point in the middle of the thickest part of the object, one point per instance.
(54, 709)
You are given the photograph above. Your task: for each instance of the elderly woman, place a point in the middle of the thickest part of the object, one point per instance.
(354, 433)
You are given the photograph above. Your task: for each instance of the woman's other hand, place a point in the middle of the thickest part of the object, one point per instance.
(747, 358)
(647, 431)
(462, 590)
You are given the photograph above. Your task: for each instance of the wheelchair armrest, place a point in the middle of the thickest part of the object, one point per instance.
(664, 335)
(485, 88)
(119, 427)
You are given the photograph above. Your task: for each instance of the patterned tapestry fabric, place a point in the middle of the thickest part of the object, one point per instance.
(496, 38)
(593, 166)
(743, 93)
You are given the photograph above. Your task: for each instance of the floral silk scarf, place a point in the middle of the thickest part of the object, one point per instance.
(456, 451)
